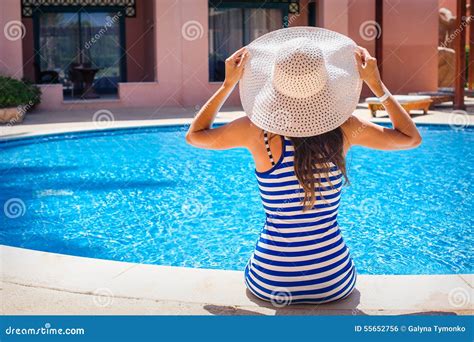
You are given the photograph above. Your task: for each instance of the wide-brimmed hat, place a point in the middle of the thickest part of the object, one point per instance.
(300, 81)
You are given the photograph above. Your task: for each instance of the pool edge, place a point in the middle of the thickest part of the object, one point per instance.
(37, 282)
(94, 127)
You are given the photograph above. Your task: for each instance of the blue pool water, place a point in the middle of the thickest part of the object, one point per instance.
(144, 195)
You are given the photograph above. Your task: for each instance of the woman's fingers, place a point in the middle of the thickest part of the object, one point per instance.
(364, 54)
(238, 53)
(244, 58)
(359, 61)
(234, 66)
(367, 66)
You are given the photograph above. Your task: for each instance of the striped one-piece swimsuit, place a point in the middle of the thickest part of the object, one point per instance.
(300, 256)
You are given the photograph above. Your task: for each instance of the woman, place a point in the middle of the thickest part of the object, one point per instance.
(299, 88)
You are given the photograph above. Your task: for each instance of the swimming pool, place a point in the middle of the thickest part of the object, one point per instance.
(143, 195)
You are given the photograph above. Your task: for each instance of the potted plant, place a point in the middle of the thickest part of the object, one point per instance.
(16, 98)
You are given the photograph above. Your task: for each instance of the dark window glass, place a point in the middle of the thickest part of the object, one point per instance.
(68, 39)
(232, 28)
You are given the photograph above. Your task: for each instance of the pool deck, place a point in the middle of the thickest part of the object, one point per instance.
(40, 283)
(48, 122)
(35, 283)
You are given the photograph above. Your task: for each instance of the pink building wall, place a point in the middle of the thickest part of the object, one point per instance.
(28, 50)
(333, 15)
(360, 14)
(165, 68)
(410, 38)
(411, 46)
(11, 63)
(139, 36)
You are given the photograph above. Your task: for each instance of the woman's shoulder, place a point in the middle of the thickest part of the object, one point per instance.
(244, 126)
(350, 129)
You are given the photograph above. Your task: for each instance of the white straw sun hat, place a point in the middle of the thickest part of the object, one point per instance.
(300, 81)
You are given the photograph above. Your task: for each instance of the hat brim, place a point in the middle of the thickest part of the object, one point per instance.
(301, 117)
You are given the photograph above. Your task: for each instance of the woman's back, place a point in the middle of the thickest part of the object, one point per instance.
(300, 255)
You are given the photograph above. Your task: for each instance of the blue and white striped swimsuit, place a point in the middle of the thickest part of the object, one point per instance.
(300, 257)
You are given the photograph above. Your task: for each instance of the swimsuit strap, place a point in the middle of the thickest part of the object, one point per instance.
(267, 145)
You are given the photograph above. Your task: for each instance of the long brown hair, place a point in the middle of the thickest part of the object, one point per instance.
(314, 154)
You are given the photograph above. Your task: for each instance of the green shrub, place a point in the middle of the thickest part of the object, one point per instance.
(14, 93)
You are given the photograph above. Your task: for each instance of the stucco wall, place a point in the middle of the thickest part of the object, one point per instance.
(410, 55)
(361, 15)
(28, 50)
(410, 38)
(139, 37)
(10, 39)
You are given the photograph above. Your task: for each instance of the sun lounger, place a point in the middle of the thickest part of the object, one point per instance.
(409, 102)
(438, 97)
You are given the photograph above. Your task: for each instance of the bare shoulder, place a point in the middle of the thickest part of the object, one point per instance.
(353, 124)
(241, 123)
(354, 129)
(245, 128)
(239, 132)
(349, 128)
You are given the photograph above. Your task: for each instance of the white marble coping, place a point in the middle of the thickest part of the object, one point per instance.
(36, 282)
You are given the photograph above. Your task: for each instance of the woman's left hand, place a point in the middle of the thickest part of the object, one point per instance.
(234, 66)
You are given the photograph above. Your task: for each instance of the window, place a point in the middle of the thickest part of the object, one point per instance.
(235, 24)
(68, 38)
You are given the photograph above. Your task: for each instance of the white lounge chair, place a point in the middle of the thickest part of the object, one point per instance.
(409, 102)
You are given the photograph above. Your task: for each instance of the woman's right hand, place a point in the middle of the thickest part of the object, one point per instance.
(403, 135)
(234, 66)
(368, 70)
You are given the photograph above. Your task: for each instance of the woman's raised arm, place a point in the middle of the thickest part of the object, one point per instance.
(403, 135)
(200, 133)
